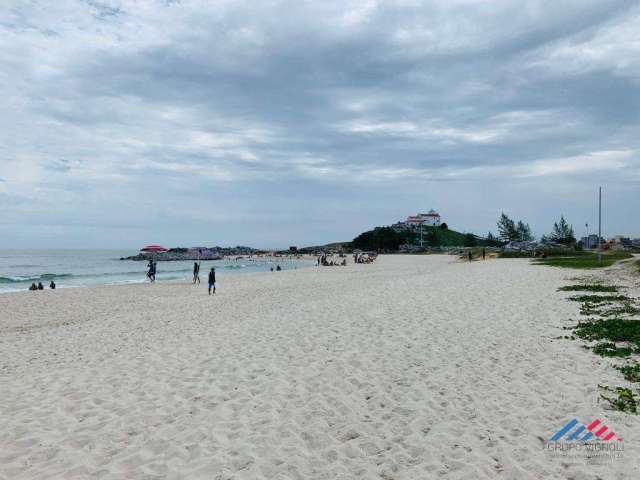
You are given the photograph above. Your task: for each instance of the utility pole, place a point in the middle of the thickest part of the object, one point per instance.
(421, 235)
(600, 226)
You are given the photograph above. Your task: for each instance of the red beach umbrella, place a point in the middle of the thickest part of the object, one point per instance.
(154, 249)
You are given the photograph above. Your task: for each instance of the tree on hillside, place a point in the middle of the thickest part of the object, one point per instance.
(470, 240)
(524, 231)
(431, 238)
(444, 226)
(507, 230)
(384, 238)
(562, 232)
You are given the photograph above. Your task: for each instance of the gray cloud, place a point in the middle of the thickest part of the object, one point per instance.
(280, 122)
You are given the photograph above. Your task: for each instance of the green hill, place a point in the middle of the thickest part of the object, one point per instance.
(386, 238)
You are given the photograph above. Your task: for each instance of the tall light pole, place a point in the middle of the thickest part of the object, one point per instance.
(600, 226)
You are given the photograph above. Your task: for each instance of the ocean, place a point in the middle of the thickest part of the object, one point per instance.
(82, 268)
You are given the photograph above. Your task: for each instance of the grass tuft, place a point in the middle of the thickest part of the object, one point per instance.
(589, 288)
(586, 260)
(601, 309)
(625, 401)
(599, 298)
(612, 329)
(608, 349)
(631, 372)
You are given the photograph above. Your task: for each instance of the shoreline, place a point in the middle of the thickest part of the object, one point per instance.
(169, 272)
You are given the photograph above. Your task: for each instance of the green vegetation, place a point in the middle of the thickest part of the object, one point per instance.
(601, 309)
(555, 252)
(439, 237)
(383, 238)
(616, 337)
(509, 230)
(470, 240)
(626, 400)
(609, 349)
(562, 233)
(515, 254)
(599, 298)
(631, 372)
(583, 260)
(386, 238)
(589, 288)
(543, 253)
(612, 329)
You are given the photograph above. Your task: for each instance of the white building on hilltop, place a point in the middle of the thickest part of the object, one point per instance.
(430, 219)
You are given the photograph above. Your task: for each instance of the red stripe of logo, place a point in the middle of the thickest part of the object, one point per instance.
(593, 425)
(601, 431)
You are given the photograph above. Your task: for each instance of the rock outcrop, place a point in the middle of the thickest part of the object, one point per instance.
(199, 253)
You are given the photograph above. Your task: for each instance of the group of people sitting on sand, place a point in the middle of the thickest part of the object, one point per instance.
(326, 262)
(363, 258)
(39, 286)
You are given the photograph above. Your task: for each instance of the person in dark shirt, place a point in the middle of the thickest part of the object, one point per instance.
(52, 285)
(196, 272)
(40, 286)
(152, 271)
(212, 280)
(33, 287)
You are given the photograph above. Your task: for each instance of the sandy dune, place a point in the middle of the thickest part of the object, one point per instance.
(412, 368)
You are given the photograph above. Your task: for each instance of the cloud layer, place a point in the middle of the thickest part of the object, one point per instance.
(272, 123)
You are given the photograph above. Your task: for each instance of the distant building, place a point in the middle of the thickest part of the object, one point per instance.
(621, 243)
(430, 219)
(589, 242)
(414, 221)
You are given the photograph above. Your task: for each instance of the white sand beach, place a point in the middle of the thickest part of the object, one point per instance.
(415, 367)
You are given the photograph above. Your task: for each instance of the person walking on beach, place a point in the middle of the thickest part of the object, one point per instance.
(212, 280)
(483, 253)
(470, 255)
(151, 274)
(196, 272)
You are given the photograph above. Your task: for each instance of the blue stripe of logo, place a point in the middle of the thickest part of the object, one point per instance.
(564, 430)
(586, 437)
(575, 434)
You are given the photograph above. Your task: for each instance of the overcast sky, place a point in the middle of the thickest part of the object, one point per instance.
(275, 123)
